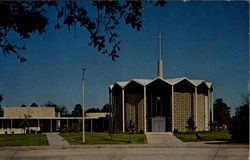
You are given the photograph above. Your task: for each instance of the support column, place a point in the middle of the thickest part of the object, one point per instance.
(123, 111)
(67, 123)
(38, 124)
(91, 125)
(112, 113)
(50, 125)
(145, 110)
(196, 119)
(11, 125)
(206, 112)
(209, 108)
(172, 100)
(110, 110)
(212, 107)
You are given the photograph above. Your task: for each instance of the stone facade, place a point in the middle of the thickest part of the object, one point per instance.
(182, 110)
(134, 110)
(200, 112)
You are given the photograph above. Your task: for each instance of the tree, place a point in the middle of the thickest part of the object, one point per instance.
(77, 112)
(33, 105)
(131, 129)
(1, 110)
(239, 125)
(92, 110)
(24, 18)
(221, 113)
(191, 124)
(1, 97)
(25, 123)
(106, 108)
(23, 105)
(59, 109)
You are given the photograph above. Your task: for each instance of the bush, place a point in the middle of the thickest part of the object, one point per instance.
(239, 125)
(213, 125)
(27, 131)
(32, 131)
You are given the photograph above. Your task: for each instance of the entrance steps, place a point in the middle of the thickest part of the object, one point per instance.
(161, 133)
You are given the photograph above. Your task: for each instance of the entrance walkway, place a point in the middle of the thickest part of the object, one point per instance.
(165, 138)
(56, 140)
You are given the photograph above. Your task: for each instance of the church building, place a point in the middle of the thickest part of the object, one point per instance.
(161, 105)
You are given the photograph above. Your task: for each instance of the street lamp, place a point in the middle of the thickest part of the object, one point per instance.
(83, 126)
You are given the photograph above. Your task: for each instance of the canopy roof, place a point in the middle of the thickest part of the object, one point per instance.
(172, 81)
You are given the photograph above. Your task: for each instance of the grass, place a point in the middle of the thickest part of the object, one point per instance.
(104, 138)
(23, 140)
(204, 136)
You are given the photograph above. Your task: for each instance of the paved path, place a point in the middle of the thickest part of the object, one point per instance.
(163, 138)
(56, 140)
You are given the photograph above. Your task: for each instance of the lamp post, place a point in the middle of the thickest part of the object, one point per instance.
(83, 126)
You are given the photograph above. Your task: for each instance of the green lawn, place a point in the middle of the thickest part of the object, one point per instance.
(104, 138)
(204, 136)
(23, 140)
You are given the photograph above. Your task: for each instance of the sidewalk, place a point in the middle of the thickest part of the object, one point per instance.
(163, 138)
(55, 139)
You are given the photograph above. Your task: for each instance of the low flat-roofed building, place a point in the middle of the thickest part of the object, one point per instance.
(21, 112)
(46, 119)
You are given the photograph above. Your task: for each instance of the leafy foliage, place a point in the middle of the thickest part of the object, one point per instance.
(191, 124)
(25, 123)
(106, 108)
(93, 110)
(1, 110)
(131, 129)
(239, 125)
(27, 17)
(33, 105)
(221, 113)
(77, 112)
(1, 97)
(59, 109)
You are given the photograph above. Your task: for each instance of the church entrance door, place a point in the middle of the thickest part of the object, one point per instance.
(158, 124)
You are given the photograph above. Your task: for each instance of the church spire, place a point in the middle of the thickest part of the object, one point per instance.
(160, 61)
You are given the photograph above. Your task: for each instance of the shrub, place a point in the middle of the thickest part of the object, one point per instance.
(239, 125)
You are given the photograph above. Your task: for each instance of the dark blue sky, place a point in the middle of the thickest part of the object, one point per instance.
(202, 40)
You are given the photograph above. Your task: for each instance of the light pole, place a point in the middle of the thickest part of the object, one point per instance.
(83, 126)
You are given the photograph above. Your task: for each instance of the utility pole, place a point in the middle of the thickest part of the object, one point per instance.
(83, 124)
